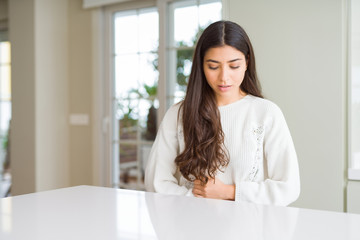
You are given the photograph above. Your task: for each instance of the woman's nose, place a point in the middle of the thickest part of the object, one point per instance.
(224, 74)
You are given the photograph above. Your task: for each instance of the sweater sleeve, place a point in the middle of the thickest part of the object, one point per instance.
(161, 168)
(282, 181)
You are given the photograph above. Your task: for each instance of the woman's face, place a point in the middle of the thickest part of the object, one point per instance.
(224, 69)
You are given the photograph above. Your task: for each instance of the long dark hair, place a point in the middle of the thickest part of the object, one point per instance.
(204, 152)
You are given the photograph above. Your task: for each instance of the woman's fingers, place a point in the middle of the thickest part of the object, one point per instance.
(198, 190)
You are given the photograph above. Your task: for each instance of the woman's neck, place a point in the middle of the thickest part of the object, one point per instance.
(223, 101)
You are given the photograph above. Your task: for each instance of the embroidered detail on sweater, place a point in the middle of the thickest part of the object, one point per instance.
(258, 133)
(188, 184)
(180, 133)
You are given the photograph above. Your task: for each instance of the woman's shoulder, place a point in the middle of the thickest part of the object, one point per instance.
(172, 115)
(173, 110)
(264, 105)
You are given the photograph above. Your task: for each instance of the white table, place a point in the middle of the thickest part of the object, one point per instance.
(86, 212)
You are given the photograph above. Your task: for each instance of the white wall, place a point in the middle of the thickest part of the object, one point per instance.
(299, 46)
(39, 130)
(80, 92)
(52, 78)
(21, 28)
(51, 91)
(353, 189)
(353, 197)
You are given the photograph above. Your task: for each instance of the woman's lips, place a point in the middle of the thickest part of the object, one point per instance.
(224, 88)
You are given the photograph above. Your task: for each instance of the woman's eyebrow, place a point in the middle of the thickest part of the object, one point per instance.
(233, 60)
(214, 61)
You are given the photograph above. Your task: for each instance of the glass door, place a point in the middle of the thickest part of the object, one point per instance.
(138, 97)
(134, 100)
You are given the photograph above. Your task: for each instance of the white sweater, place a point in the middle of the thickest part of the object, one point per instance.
(263, 163)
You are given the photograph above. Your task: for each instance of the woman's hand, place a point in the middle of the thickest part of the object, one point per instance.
(214, 189)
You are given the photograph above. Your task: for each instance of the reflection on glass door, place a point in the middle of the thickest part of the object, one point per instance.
(135, 93)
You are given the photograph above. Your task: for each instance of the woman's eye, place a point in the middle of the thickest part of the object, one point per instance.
(213, 68)
(234, 67)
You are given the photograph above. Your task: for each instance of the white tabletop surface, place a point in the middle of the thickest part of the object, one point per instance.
(86, 212)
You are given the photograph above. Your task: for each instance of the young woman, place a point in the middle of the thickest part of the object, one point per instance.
(224, 140)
